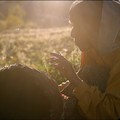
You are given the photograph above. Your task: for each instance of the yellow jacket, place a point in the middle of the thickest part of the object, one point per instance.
(95, 104)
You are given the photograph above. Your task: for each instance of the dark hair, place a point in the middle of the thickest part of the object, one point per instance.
(26, 93)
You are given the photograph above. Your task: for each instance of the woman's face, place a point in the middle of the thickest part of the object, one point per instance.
(85, 19)
(82, 35)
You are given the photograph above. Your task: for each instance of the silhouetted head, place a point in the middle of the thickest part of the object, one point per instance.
(85, 18)
(96, 24)
(26, 93)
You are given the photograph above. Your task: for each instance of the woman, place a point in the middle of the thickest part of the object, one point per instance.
(96, 30)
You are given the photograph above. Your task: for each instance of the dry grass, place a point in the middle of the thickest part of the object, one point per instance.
(32, 47)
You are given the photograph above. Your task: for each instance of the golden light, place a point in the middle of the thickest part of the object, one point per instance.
(51, 13)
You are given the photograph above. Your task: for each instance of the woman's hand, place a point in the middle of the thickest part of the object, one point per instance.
(64, 66)
(61, 64)
(63, 85)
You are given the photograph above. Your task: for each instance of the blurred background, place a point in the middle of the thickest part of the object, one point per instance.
(31, 30)
(34, 14)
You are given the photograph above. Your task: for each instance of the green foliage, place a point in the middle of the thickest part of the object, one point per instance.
(14, 22)
(14, 19)
(2, 25)
(1, 16)
(30, 24)
(32, 47)
(17, 11)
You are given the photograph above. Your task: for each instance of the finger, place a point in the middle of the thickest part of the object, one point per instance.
(53, 59)
(54, 64)
(58, 67)
(57, 55)
(57, 59)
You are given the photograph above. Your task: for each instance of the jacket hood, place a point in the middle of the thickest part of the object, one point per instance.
(108, 17)
(109, 27)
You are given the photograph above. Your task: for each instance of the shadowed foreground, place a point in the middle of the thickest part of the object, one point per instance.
(28, 94)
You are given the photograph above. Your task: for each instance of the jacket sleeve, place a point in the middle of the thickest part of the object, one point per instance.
(97, 105)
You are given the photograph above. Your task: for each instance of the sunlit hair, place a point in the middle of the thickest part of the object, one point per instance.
(26, 93)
